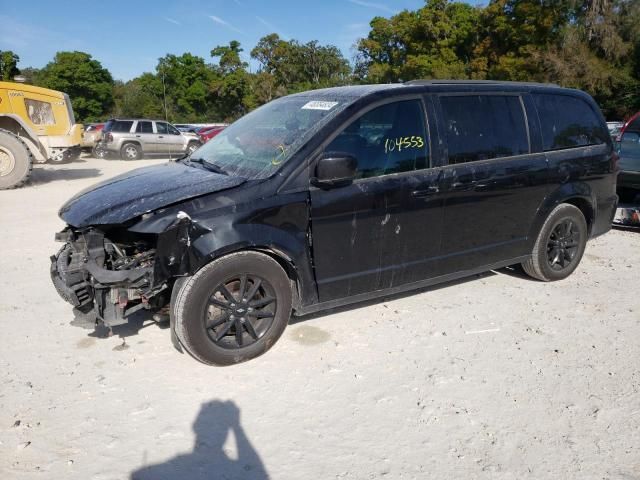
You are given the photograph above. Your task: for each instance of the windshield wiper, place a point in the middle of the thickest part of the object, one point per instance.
(212, 167)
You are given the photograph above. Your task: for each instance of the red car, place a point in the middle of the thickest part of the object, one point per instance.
(207, 133)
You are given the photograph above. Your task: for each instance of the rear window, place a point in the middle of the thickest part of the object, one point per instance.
(118, 126)
(568, 122)
(482, 127)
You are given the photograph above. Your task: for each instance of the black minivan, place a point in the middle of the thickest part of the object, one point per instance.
(340, 195)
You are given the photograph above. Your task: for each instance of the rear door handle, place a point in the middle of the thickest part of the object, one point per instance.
(160, 136)
(430, 190)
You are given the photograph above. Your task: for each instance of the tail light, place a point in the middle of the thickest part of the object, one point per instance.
(108, 137)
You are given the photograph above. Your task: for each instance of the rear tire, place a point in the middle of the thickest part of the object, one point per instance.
(130, 151)
(233, 309)
(100, 152)
(559, 246)
(16, 161)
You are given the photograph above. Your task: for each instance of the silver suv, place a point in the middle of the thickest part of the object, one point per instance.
(134, 138)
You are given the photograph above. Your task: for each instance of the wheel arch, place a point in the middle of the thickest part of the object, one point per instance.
(578, 194)
(17, 126)
(127, 142)
(586, 207)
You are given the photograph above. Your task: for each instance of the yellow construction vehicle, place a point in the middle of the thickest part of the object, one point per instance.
(36, 125)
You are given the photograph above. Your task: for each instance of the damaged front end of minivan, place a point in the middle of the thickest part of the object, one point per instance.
(115, 271)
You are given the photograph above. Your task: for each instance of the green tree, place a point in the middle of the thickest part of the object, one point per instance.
(435, 41)
(186, 80)
(140, 97)
(88, 84)
(232, 84)
(295, 66)
(8, 65)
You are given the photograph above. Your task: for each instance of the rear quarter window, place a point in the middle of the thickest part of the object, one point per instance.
(121, 126)
(568, 122)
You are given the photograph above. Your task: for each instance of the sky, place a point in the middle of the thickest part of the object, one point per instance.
(128, 37)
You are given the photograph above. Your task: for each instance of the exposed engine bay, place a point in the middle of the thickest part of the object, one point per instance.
(113, 277)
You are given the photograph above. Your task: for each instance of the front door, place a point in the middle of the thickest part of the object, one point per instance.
(384, 229)
(170, 141)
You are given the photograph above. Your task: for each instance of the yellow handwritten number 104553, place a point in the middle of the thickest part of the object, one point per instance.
(393, 144)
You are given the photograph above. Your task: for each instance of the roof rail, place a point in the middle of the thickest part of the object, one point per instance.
(476, 82)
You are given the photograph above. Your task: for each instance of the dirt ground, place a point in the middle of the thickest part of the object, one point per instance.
(497, 376)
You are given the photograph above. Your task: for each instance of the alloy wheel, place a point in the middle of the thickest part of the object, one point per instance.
(563, 244)
(240, 311)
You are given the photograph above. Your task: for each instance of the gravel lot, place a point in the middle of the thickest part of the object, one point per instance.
(497, 376)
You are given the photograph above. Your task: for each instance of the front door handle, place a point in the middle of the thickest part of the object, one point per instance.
(430, 190)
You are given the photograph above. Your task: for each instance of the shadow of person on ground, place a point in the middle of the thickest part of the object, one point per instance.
(209, 460)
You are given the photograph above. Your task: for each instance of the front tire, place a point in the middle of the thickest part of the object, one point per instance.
(130, 151)
(559, 246)
(15, 161)
(233, 309)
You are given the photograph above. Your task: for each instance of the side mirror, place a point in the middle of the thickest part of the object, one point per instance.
(335, 169)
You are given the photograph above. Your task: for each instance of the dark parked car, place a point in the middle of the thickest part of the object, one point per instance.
(335, 196)
(629, 151)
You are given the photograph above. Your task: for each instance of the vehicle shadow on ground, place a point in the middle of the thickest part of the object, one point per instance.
(389, 298)
(135, 323)
(209, 459)
(53, 174)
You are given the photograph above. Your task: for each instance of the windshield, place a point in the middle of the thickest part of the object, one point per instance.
(259, 143)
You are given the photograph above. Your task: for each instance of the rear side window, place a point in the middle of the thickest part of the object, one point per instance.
(389, 139)
(144, 127)
(122, 126)
(482, 127)
(568, 122)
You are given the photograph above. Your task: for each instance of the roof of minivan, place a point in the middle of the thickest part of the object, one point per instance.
(353, 92)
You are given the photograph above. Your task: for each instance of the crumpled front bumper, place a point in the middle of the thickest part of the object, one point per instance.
(79, 276)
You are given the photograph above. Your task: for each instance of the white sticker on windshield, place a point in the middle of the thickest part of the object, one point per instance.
(317, 105)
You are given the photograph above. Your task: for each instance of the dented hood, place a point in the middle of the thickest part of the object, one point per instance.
(140, 191)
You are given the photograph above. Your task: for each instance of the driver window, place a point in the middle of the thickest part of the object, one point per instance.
(389, 139)
(173, 130)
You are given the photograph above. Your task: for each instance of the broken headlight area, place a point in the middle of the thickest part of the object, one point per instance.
(111, 273)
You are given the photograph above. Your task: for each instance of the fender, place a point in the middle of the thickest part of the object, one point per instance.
(285, 247)
(579, 194)
(10, 121)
